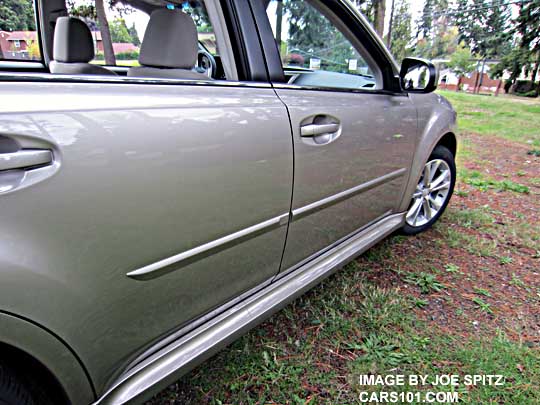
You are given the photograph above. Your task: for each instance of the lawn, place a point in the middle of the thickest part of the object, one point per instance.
(462, 298)
(516, 119)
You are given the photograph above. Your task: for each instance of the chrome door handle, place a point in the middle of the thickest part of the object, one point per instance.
(318, 129)
(25, 159)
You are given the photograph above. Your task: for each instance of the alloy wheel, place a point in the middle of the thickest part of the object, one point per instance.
(431, 193)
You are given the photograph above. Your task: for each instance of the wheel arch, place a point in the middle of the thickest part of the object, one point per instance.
(436, 126)
(38, 353)
(449, 141)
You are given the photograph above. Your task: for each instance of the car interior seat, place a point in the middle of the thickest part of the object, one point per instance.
(169, 48)
(73, 49)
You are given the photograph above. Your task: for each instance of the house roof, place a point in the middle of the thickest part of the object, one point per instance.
(22, 36)
(124, 47)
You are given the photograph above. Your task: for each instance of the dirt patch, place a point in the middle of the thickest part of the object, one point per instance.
(485, 252)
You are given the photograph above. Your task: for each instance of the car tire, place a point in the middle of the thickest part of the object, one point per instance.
(432, 193)
(12, 390)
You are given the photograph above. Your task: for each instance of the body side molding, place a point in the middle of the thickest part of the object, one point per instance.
(192, 255)
(344, 195)
(180, 260)
(182, 355)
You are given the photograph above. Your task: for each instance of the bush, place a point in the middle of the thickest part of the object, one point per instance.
(133, 55)
(531, 93)
(523, 86)
(128, 55)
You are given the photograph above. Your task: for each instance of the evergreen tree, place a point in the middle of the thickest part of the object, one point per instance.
(400, 36)
(312, 35)
(425, 24)
(483, 26)
(135, 40)
(524, 56)
(374, 11)
(436, 36)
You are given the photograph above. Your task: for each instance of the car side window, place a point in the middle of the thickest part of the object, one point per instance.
(314, 50)
(118, 38)
(18, 34)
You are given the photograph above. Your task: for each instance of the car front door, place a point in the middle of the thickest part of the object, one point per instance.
(353, 137)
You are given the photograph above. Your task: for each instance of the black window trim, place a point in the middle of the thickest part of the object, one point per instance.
(349, 18)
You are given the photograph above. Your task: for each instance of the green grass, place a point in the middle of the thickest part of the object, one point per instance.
(427, 282)
(500, 116)
(481, 182)
(321, 344)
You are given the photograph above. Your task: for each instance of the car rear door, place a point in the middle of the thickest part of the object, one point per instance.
(130, 207)
(353, 131)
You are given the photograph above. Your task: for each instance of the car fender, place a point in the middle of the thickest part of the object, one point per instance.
(436, 118)
(44, 346)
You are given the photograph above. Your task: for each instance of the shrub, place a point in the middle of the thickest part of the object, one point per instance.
(130, 55)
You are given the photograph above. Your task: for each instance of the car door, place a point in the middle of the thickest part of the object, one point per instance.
(353, 136)
(130, 207)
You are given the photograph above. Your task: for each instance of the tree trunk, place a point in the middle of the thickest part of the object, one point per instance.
(378, 22)
(389, 38)
(108, 50)
(536, 66)
(279, 23)
(535, 72)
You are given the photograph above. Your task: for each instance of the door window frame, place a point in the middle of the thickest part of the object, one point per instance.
(30, 65)
(243, 37)
(356, 27)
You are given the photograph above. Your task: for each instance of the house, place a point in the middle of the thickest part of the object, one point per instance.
(4, 44)
(14, 45)
(20, 40)
(118, 47)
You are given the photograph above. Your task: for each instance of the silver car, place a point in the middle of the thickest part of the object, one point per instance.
(155, 207)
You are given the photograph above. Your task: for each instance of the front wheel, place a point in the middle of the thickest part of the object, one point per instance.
(433, 191)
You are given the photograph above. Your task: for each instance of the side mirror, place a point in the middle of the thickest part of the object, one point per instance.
(418, 75)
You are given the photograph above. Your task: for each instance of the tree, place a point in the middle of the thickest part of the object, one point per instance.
(17, 15)
(108, 50)
(400, 30)
(425, 24)
(32, 46)
(462, 60)
(135, 40)
(119, 31)
(366, 8)
(378, 16)
(374, 11)
(312, 35)
(483, 26)
(525, 38)
(90, 13)
(436, 36)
